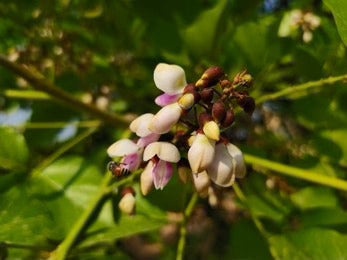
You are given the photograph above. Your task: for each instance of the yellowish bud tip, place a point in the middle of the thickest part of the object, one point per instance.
(199, 83)
(211, 130)
(204, 76)
(127, 204)
(186, 101)
(191, 140)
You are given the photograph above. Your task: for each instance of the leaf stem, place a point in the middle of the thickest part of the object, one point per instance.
(297, 172)
(61, 150)
(299, 88)
(183, 228)
(104, 190)
(40, 83)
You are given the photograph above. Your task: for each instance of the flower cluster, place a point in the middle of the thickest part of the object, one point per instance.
(187, 131)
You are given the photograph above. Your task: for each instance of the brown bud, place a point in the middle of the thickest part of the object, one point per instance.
(229, 118)
(204, 118)
(128, 190)
(213, 74)
(247, 103)
(206, 95)
(189, 88)
(218, 111)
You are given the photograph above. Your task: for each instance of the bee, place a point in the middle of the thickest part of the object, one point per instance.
(118, 169)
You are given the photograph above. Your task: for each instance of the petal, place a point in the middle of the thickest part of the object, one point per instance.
(201, 153)
(140, 125)
(201, 182)
(144, 141)
(127, 203)
(211, 130)
(239, 162)
(133, 160)
(165, 119)
(221, 170)
(166, 99)
(162, 173)
(122, 147)
(147, 179)
(164, 150)
(169, 78)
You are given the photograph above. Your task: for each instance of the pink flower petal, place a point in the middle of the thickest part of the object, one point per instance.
(166, 99)
(162, 173)
(133, 161)
(144, 141)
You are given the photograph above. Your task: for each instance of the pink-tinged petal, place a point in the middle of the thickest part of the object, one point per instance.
(122, 147)
(165, 119)
(169, 78)
(140, 125)
(166, 99)
(133, 161)
(144, 141)
(162, 173)
(164, 150)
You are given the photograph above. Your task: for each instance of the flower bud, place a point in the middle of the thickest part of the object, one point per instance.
(186, 101)
(127, 202)
(247, 103)
(166, 118)
(213, 75)
(204, 118)
(229, 118)
(201, 153)
(218, 111)
(189, 88)
(211, 130)
(243, 79)
(201, 183)
(225, 83)
(206, 95)
(147, 179)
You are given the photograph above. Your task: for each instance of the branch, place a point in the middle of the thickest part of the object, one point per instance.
(183, 229)
(25, 94)
(40, 83)
(297, 172)
(299, 88)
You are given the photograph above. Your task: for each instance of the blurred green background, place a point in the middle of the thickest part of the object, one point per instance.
(104, 53)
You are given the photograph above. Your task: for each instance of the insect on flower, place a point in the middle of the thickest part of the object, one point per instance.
(118, 169)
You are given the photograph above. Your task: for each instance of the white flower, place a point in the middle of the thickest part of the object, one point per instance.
(239, 162)
(169, 78)
(163, 156)
(140, 125)
(201, 153)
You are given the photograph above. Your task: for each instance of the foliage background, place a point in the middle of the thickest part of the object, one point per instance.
(104, 52)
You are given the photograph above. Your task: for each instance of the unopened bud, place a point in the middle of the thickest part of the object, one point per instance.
(127, 203)
(213, 75)
(206, 95)
(247, 103)
(225, 83)
(189, 88)
(229, 118)
(218, 111)
(211, 130)
(243, 79)
(204, 118)
(186, 101)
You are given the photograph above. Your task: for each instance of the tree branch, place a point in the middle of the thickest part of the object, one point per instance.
(40, 83)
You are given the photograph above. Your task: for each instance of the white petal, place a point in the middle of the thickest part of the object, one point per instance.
(239, 162)
(121, 148)
(140, 125)
(164, 150)
(201, 153)
(165, 119)
(221, 170)
(169, 78)
(147, 179)
(201, 181)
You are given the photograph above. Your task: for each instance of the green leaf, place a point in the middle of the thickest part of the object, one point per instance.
(324, 217)
(339, 10)
(13, 149)
(199, 37)
(314, 197)
(314, 243)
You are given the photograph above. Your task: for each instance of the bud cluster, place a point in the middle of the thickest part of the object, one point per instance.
(202, 111)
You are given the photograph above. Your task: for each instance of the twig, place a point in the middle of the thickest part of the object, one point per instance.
(25, 94)
(297, 172)
(299, 88)
(49, 125)
(40, 83)
(183, 228)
